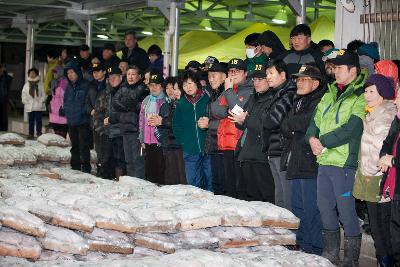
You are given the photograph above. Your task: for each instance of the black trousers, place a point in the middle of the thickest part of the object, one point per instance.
(4, 114)
(105, 159)
(154, 164)
(118, 152)
(174, 167)
(379, 220)
(134, 161)
(395, 228)
(80, 150)
(230, 182)
(255, 181)
(218, 173)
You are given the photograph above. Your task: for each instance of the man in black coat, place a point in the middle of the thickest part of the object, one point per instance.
(125, 108)
(300, 162)
(133, 54)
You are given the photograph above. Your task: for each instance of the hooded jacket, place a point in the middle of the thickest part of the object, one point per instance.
(75, 96)
(228, 134)
(338, 123)
(33, 103)
(57, 101)
(270, 39)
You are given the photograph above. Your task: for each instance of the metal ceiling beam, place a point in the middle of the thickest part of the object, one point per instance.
(295, 6)
(6, 3)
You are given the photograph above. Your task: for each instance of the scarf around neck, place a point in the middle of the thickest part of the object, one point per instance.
(34, 86)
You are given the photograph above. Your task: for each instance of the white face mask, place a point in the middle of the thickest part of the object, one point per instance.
(250, 52)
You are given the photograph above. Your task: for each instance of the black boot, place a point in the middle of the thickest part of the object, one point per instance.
(385, 261)
(352, 247)
(331, 240)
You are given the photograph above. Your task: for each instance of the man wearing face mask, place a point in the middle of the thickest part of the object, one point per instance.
(254, 55)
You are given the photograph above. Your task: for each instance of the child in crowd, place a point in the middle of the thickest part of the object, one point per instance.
(33, 98)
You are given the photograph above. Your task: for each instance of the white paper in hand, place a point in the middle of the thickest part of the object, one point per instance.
(237, 110)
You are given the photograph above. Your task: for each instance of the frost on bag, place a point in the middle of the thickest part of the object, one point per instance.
(64, 240)
(15, 244)
(20, 155)
(50, 139)
(21, 221)
(160, 242)
(5, 158)
(200, 239)
(274, 216)
(192, 218)
(109, 241)
(64, 217)
(234, 237)
(157, 220)
(11, 139)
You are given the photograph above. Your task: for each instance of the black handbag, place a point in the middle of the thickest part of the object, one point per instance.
(61, 112)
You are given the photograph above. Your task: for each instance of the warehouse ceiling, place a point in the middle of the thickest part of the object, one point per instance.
(64, 21)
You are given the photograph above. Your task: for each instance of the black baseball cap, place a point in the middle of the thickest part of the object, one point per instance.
(345, 57)
(84, 47)
(114, 70)
(217, 67)
(156, 77)
(98, 66)
(260, 71)
(309, 71)
(237, 63)
(193, 64)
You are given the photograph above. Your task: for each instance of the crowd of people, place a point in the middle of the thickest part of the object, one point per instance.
(311, 129)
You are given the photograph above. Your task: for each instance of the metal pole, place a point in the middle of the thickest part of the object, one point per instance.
(28, 54)
(175, 45)
(89, 33)
(302, 18)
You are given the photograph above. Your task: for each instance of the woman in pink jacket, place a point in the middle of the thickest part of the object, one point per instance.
(57, 118)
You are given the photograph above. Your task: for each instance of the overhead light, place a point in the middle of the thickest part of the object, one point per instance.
(147, 31)
(113, 30)
(206, 24)
(102, 36)
(280, 17)
(101, 18)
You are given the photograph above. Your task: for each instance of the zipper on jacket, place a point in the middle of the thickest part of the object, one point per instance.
(195, 124)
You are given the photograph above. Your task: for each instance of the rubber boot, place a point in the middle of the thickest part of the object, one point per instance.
(385, 261)
(331, 239)
(352, 247)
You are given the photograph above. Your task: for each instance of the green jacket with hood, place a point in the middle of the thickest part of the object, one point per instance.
(337, 123)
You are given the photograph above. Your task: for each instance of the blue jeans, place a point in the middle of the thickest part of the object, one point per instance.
(334, 196)
(304, 206)
(198, 170)
(35, 117)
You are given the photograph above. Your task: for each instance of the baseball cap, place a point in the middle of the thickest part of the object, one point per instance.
(217, 67)
(210, 60)
(156, 77)
(237, 63)
(114, 70)
(309, 71)
(193, 64)
(260, 71)
(345, 57)
(97, 66)
(329, 54)
(84, 47)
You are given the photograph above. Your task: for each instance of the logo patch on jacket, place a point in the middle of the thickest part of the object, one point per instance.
(241, 98)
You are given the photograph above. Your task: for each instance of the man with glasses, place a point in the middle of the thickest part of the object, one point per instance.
(301, 165)
(302, 52)
(237, 91)
(334, 135)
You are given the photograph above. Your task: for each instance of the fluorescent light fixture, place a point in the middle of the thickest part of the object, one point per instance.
(147, 31)
(101, 18)
(206, 24)
(102, 36)
(280, 17)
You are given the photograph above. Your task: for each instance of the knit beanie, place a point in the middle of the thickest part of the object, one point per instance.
(384, 85)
